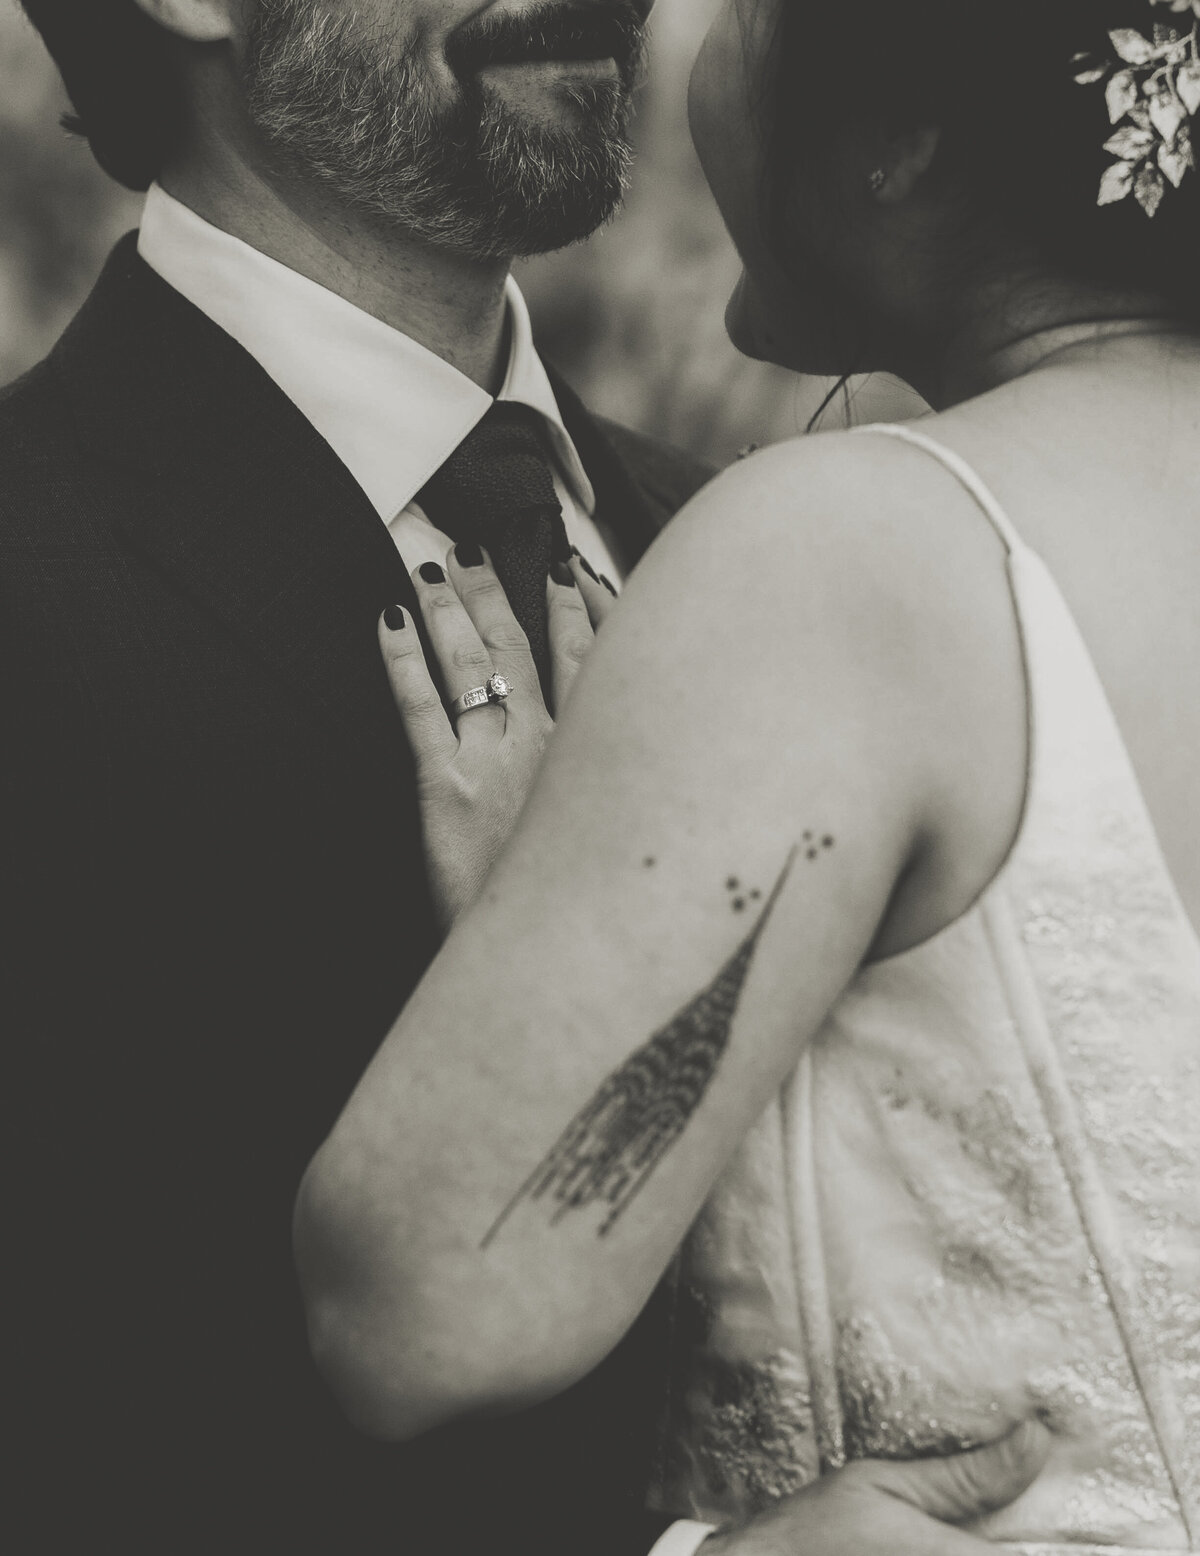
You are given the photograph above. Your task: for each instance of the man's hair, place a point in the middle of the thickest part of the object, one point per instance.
(119, 70)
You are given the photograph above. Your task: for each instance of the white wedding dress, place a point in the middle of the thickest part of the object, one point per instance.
(978, 1197)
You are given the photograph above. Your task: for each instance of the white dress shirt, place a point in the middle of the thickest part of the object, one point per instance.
(392, 411)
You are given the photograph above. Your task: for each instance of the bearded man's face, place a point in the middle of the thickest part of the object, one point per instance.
(492, 130)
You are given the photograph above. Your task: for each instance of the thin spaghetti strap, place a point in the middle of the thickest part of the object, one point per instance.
(962, 472)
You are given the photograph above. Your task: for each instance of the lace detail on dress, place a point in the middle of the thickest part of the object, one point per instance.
(753, 1440)
(892, 1410)
(999, 1139)
(739, 1430)
(1114, 961)
(757, 1425)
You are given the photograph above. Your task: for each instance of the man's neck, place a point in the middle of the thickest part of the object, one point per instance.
(452, 305)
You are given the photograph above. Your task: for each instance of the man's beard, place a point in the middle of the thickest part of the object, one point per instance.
(469, 174)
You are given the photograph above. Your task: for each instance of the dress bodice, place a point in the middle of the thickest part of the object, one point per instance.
(978, 1197)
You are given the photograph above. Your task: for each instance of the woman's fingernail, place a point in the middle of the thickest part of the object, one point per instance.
(588, 568)
(561, 548)
(608, 585)
(468, 554)
(431, 573)
(393, 618)
(562, 574)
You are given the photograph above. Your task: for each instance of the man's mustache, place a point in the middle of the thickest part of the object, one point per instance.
(552, 32)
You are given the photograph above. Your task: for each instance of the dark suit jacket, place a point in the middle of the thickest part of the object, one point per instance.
(214, 906)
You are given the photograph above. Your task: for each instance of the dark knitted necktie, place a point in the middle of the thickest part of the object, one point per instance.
(496, 489)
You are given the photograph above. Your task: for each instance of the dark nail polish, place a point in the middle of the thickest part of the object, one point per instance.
(431, 573)
(561, 549)
(562, 574)
(393, 618)
(468, 554)
(588, 568)
(608, 584)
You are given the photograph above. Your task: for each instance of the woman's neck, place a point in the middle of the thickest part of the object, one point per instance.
(1008, 335)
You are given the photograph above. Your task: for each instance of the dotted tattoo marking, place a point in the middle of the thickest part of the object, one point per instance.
(611, 1147)
(740, 896)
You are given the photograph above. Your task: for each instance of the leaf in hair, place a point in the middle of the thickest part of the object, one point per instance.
(1131, 46)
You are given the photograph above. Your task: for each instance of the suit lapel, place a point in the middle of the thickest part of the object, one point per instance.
(245, 508)
(240, 502)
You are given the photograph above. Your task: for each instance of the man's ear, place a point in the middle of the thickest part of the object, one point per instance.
(199, 21)
(908, 158)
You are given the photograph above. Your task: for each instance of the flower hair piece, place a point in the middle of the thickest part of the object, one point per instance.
(1153, 93)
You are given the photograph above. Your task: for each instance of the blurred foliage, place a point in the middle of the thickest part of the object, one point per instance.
(59, 215)
(634, 318)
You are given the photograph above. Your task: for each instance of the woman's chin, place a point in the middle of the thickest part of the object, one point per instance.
(742, 335)
(756, 332)
(761, 341)
(751, 334)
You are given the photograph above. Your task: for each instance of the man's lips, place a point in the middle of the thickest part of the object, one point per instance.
(552, 35)
(591, 69)
(564, 42)
(540, 52)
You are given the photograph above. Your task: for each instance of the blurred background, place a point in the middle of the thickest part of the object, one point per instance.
(633, 318)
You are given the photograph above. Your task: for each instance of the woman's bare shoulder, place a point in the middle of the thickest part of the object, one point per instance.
(843, 522)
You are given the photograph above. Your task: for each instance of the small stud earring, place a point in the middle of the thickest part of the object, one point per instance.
(877, 180)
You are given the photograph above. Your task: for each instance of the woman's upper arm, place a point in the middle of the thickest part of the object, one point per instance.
(703, 865)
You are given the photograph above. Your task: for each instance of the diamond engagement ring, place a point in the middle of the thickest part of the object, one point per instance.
(496, 691)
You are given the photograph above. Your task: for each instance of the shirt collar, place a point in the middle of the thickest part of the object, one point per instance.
(391, 410)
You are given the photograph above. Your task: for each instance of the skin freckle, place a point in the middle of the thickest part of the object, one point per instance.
(826, 841)
(739, 904)
(732, 884)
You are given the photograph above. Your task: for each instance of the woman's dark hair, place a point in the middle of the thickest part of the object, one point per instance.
(119, 70)
(1020, 137)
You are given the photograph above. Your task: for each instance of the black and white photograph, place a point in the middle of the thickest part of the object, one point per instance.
(600, 696)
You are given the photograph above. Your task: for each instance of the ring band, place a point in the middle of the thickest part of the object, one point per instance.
(497, 691)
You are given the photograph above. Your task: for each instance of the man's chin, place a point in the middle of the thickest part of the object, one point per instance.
(590, 107)
(549, 77)
(547, 229)
(553, 183)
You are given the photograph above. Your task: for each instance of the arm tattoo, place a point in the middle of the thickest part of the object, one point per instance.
(612, 1146)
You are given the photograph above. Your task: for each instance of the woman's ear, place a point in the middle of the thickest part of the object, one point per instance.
(906, 161)
(199, 21)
